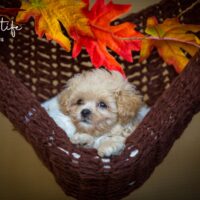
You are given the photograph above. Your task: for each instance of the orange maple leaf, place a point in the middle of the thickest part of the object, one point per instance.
(106, 36)
(171, 39)
(48, 14)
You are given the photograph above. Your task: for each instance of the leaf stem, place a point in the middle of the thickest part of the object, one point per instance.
(102, 29)
(189, 8)
(147, 37)
(113, 35)
(163, 39)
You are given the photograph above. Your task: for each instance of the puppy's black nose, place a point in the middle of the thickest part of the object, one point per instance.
(85, 113)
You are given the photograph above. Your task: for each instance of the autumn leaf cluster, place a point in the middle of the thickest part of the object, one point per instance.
(93, 30)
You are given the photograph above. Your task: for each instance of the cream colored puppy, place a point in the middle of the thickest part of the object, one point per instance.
(102, 105)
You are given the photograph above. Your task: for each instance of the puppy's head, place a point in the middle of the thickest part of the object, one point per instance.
(97, 100)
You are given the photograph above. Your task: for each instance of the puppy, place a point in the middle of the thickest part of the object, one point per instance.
(103, 107)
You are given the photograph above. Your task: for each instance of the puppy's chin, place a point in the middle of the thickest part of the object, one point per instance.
(95, 129)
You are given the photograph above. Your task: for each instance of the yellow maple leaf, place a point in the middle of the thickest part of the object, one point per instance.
(48, 14)
(171, 39)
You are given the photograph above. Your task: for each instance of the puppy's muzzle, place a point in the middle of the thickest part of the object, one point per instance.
(85, 113)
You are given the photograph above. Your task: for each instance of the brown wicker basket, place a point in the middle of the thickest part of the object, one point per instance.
(33, 70)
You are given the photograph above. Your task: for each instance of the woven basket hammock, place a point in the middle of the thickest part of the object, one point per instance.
(33, 70)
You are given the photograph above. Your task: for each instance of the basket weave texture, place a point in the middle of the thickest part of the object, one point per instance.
(33, 70)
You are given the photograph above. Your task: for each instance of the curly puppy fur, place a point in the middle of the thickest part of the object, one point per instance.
(97, 101)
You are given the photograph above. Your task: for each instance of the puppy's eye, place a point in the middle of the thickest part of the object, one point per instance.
(102, 105)
(79, 102)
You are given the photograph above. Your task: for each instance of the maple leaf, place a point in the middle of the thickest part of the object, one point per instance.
(171, 39)
(48, 14)
(106, 36)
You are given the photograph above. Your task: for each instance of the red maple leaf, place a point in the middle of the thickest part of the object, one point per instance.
(106, 35)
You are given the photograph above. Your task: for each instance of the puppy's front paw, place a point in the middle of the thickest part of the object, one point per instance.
(82, 139)
(110, 147)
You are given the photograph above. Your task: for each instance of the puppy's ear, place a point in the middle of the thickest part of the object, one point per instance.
(128, 103)
(64, 100)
